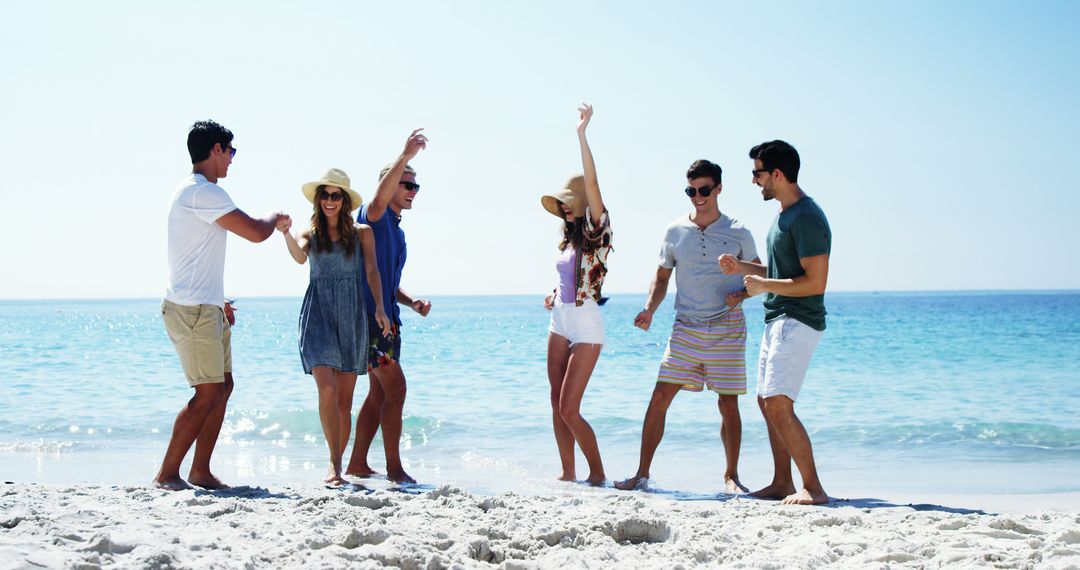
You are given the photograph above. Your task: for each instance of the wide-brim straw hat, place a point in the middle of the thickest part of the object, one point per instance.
(572, 194)
(333, 177)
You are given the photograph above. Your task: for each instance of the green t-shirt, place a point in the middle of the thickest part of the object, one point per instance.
(799, 231)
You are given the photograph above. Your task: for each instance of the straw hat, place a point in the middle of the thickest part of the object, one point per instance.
(572, 194)
(333, 177)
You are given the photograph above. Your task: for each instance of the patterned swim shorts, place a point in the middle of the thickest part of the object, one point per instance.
(709, 354)
(383, 351)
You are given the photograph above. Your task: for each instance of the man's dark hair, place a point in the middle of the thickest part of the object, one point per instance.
(703, 168)
(203, 136)
(778, 155)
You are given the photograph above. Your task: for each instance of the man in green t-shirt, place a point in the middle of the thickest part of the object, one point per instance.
(794, 283)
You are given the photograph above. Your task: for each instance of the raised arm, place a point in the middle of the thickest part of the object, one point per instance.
(592, 186)
(371, 271)
(389, 183)
(657, 292)
(251, 229)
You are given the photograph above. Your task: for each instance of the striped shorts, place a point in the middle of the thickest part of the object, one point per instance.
(709, 354)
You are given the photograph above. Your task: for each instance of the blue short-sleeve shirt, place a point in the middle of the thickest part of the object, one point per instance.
(390, 254)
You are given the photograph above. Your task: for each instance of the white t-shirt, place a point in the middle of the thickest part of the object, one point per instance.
(197, 243)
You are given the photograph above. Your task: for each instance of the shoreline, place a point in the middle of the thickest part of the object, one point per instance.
(444, 527)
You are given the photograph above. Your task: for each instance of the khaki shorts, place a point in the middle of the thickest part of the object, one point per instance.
(202, 337)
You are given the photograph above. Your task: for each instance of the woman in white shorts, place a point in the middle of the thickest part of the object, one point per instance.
(576, 333)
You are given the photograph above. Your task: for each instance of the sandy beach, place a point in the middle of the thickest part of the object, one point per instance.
(447, 527)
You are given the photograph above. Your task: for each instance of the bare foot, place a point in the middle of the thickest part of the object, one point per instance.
(335, 481)
(774, 491)
(171, 484)
(734, 486)
(363, 471)
(207, 481)
(805, 497)
(635, 483)
(596, 480)
(399, 476)
(571, 476)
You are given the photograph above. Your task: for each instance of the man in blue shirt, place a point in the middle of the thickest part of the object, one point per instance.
(386, 393)
(799, 244)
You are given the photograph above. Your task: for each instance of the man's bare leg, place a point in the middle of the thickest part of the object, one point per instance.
(558, 357)
(189, 423)
(731, 435)
(782, 484)
(781, 411)
(392, 380)
(579, 369)
(200, 474)
(367, 425)
(326, 380)
(652, 432)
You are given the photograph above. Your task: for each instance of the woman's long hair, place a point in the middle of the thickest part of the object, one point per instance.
(574, 235)
(320, 226)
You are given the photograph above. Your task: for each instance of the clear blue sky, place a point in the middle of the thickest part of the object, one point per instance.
(940, 138)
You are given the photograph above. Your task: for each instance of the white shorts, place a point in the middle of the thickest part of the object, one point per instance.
(786, 348)
(578, 324)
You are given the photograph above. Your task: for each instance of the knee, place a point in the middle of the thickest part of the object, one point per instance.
(729, 406)
(208, 396)
(776, 410)
(373, 399)
(394, 398)
(567, 411)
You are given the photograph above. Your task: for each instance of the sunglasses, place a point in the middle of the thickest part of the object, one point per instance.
(231, 150)
(760, 171)
(704, 191)
(410, 186)
(332, 196)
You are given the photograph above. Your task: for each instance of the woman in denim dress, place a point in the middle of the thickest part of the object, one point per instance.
(333, 319)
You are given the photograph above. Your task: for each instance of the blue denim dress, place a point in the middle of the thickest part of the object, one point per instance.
(333, 318)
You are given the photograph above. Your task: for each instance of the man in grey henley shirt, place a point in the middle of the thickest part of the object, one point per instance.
(707, 346)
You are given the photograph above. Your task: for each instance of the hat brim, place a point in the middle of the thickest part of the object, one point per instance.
(310, 188)
(551, 204)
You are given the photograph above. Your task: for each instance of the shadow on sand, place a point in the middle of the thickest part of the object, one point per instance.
(868, 503)
(245, 492)
(860, 503)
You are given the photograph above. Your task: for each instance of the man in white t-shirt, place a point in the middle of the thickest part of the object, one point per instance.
(194, 305)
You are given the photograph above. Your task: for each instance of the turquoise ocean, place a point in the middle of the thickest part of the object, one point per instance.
(907, 394)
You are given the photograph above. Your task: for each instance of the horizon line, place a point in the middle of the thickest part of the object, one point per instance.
(863, 292)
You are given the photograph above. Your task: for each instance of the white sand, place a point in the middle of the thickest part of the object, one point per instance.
(85, 527)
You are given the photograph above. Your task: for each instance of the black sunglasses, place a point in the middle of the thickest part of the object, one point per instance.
(760, 171)
(332, 196)
(410, 186)
(704, 191)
